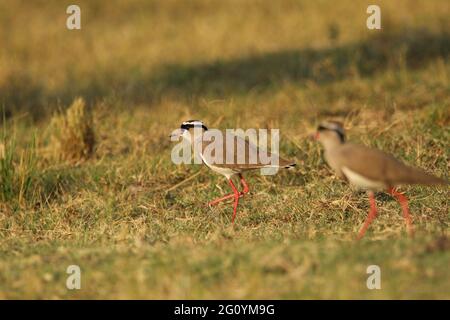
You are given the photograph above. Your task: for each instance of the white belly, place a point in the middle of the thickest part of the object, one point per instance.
(227, 172)
(362, 182)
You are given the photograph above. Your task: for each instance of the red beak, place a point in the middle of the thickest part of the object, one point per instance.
(314, 136)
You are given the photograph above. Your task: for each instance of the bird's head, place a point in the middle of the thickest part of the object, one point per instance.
(185, 127)
(330, 133)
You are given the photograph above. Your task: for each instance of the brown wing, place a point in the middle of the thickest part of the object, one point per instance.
(380, 166)
(243, 155)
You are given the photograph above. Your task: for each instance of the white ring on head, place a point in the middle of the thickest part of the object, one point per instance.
(193, 122)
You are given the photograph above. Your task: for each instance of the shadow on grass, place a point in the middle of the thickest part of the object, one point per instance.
(410, 49)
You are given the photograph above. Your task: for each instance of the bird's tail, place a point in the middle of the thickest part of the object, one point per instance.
(289, 166)
(418, 176)
(286, 164)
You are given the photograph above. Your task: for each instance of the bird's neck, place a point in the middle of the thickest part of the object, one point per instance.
(332, 144)
(194, 135)
(187, 137)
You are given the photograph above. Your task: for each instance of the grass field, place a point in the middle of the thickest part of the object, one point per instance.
(96, 187)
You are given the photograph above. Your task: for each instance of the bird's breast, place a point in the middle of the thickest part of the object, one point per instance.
(362, 182)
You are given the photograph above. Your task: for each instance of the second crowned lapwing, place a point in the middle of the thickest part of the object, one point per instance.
(230, 168)
(369, 169)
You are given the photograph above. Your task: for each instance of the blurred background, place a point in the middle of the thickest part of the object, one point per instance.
(85, 169)
(143, 52)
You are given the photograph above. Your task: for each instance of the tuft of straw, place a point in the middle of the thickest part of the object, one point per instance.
(73, 137)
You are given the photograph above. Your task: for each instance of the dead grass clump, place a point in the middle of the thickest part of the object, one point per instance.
(17, 171)
(73, 137)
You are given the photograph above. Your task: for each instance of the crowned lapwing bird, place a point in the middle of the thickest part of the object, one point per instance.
(370, 169)
(232, 157)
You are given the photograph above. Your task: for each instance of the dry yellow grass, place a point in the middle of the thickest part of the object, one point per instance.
(143, 67)
(72, 132)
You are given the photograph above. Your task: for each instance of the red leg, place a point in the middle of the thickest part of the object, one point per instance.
(244, 184)
(236, 199)
(231, 195)
(214, 202)
(404, 203)
(370, 217)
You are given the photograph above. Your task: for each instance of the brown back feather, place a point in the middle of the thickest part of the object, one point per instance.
(248, 162)
(378, 165)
